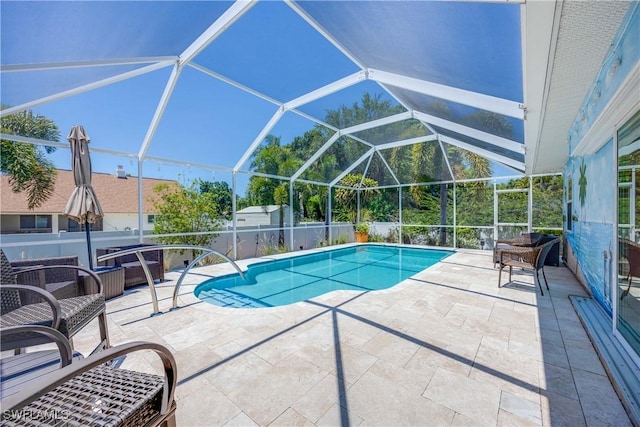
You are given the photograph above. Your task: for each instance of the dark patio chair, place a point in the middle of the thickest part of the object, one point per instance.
(22, 304)
(61, 282)
(531, 258)
(631, 251)
(91, 391)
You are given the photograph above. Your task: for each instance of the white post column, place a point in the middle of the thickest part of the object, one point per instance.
(54, 224)
(291, 216)
(140, 203)
(234, 217)
(400, 214)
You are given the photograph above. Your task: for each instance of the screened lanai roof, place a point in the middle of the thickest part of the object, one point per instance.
(208, 82)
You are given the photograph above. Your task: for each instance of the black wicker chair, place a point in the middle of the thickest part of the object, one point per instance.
(61, 282)
(22, 304)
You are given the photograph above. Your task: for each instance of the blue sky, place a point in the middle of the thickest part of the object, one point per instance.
(270, 49)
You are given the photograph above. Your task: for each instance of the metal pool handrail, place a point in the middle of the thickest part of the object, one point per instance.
(207, 252)
(145, 267)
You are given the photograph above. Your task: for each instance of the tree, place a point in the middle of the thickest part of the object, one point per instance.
(347, 198)
(186, 209)
(281, 196)
(26, 164)
(274, 159)
(465, 164)
(222, 196)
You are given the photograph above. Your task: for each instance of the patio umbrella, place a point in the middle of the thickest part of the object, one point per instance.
(83, 206)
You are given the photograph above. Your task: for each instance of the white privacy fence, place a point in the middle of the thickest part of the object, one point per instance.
(253, 242)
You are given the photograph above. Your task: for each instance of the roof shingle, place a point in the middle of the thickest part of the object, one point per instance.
(116, 195)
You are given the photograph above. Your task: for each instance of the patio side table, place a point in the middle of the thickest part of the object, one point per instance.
(112, 281)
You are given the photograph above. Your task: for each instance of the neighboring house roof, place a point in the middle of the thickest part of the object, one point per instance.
(260, 209)
(116, 195)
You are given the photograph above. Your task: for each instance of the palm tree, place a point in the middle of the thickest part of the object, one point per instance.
(26, 164)
(274, 159)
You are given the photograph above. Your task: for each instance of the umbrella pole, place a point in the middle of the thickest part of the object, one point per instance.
(87, 229)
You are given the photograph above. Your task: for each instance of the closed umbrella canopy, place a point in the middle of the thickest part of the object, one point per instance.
(83, 205)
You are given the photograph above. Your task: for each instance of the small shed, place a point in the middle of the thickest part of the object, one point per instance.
(254, 216)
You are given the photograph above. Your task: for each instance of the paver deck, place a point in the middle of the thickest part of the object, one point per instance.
(446, 347)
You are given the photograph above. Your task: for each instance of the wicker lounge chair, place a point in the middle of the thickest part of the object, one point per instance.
(531, 258)
(67, 315)
(90, 392)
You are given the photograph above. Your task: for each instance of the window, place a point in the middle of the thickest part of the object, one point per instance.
(73, 226)
(150, 219)
(35, 221)
(628, 263)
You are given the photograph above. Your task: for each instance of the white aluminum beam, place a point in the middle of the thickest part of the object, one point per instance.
(233, 83)
(393, 175)
(43, 142)
(540, 22)
(326, 90)
(486, 153)
(314, 119)
(319, 152)
(490, 1)
(307, 181)
(268, 175)
(164, 100)
(85, 88)
(324, 33)
(377, 123)
(352, 167)
(17, 68)
(446, 159)
(366, 168)
(163, 160)
(410, 141)
(489, 138)
(461, 96)
(235, 11)
(261, 136)
(256, 93)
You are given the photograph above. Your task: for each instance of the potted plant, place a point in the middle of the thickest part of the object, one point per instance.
(362, 232)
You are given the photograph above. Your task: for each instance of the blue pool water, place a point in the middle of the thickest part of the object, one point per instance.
(285, 281)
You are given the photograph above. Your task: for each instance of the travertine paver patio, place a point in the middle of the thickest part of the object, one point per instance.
(444, 348)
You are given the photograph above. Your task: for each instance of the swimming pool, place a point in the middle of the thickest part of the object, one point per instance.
(289, 280)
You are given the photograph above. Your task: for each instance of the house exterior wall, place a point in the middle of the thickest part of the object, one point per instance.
(592, 233)
(10, 223)
(125, 221)
(591, 181)
(256, 219)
